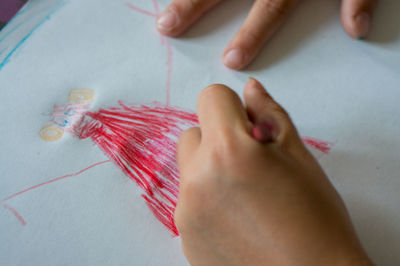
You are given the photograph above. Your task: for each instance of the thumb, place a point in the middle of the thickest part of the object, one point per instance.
(271, 121)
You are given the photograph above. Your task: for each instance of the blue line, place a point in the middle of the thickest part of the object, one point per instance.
(7, 59)
(19, 25)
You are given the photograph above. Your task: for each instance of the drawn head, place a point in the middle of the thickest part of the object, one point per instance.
(51, 133)
(82, 96)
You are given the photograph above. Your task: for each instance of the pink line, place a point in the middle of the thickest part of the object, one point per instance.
(16, 214)
(321, 145)
(169, 75)
(54, 180)
(140, 10)
(156, 7)
(165, 42)
(162, 38)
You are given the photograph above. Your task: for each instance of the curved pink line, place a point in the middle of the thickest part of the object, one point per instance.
(53, 180)
(16, 214)
(140, 10)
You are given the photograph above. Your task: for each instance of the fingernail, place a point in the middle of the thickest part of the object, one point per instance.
(253, 84)
(234, 58)
(168, 20)
(363, 24)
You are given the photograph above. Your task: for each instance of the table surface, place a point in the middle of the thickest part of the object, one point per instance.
(335, 89)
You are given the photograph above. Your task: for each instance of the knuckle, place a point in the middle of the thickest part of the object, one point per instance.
(279, 7)
(197, 4)
(187, 134)
(212, 90)
(367, 5)
(196, 201)
(226, 143)
(285, 124)
(253, 38)
(278, 109)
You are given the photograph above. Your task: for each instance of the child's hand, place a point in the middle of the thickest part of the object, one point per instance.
(244, 201)
(263, 20)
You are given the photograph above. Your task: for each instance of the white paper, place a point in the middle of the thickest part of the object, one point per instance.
(335, 88)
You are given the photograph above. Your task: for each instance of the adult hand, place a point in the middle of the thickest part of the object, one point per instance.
(263, 20)
(252, 194)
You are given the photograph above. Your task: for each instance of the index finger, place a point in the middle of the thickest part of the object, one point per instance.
(264, 19)
(220, 110)
(180, 14)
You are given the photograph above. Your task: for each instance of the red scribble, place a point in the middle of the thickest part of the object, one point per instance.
(16, 214)
(321, 145)
(53, 180)
(141, 141)
(165, 42)
(140, 10)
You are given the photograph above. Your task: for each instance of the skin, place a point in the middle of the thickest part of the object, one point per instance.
(265, 17)
(262, 200)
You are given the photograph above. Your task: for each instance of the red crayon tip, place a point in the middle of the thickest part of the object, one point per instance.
(263, 132)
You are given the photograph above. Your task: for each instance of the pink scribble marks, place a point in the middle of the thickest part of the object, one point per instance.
(65, 116)
(155, 3)
(17, 215)
(141, 141)
(164, 42)
(323, 146)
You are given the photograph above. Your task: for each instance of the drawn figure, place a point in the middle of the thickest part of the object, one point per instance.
(51, 133)
(141, 141)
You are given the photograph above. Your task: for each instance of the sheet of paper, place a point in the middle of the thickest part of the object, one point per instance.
(65, 203)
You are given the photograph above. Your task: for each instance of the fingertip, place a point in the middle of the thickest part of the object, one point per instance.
(359, 26)
(255, 85)
(357, 17)
(212, 90)
(362, 25)
(235, 58)
(254, 88)
(181, 14)
(167, 23)
(207, 96)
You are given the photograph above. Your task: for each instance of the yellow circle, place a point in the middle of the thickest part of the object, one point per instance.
(51, 133)
(82, 96)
